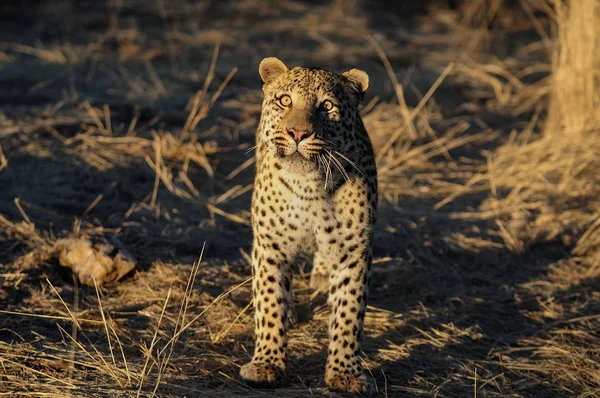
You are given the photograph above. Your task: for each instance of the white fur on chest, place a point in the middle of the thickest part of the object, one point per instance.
(307, 203)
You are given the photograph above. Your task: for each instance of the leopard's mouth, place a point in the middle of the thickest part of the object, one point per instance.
(296, 156)
(297, 163)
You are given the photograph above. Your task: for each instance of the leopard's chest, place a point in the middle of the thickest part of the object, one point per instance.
(292, 207)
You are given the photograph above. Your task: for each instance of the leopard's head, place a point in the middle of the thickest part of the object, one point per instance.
(308, 114)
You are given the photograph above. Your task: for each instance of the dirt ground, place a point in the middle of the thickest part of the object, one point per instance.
(133, 119)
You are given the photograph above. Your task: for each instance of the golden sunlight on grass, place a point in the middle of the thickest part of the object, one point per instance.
(136, 120)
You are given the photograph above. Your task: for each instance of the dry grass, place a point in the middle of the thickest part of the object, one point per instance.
(134, 120)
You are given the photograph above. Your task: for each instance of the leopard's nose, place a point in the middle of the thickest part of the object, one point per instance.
(298, 135)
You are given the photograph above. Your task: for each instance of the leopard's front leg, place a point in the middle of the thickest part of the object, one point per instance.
(348, 245)
(348, 293)
(271, 289)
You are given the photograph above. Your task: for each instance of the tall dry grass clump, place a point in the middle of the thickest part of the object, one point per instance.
(575, 102)
(544, 181)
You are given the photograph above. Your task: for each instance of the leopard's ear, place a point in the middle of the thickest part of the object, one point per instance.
(357, 81)
(270, 68)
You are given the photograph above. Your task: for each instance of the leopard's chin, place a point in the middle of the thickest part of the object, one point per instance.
(297, 163)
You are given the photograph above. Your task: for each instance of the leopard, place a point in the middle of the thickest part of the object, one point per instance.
(315, 191)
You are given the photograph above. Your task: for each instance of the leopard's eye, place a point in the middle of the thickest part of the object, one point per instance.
(285, 100)
(327, 105)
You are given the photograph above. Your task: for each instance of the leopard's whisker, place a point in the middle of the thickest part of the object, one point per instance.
(349, 161)
(320, 163)
(260, 143)
(327, 167)
(338, 165)
(335, 146)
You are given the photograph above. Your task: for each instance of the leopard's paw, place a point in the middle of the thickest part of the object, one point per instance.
(262, 375)
(342, 382)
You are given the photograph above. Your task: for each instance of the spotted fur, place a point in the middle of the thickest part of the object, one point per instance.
(315, 190)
